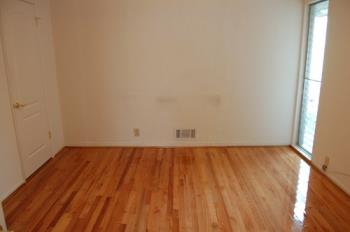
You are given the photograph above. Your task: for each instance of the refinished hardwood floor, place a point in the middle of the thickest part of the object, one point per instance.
(178, 189)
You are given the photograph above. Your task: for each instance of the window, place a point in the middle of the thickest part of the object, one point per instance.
(317, 29)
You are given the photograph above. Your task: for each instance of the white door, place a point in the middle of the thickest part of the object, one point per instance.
(23, 66)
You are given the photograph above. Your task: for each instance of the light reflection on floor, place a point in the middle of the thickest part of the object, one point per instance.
(301, 192)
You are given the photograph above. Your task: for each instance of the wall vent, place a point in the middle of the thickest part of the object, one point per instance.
(185, 133)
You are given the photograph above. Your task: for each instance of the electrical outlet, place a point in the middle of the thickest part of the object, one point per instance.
(136, 132)
(326, 163)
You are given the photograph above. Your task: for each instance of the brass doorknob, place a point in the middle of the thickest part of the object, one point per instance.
(18, 105)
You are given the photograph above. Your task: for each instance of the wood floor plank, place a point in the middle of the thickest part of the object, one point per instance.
(178, 189)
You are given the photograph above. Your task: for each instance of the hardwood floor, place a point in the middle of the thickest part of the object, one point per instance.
(178, 189)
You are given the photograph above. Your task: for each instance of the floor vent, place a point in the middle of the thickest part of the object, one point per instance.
(185, 133)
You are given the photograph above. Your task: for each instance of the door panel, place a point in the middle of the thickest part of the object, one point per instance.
(19, 25)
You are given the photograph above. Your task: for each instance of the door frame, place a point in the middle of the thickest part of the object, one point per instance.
(4, 52)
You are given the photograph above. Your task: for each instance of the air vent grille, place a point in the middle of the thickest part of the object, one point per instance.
(185, 133)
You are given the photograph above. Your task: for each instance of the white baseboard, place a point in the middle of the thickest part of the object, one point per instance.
(336, 181)
(11, 190)
(331, 177)
(172, 144)
(339, 184)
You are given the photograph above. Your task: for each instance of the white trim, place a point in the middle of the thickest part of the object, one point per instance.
(302, 152)
(2, 218)
(172, 144)
(300, 85)
(334, 180)
(309, 2)
(300, 80)
(338, 183)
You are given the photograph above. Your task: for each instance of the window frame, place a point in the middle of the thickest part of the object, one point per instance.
(301, 75)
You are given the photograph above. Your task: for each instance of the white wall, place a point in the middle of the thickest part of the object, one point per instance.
(227, 68)
(333, 125)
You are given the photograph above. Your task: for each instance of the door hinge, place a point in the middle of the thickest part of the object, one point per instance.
(50, 135)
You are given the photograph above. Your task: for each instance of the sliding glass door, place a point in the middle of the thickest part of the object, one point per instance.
(317, 29)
